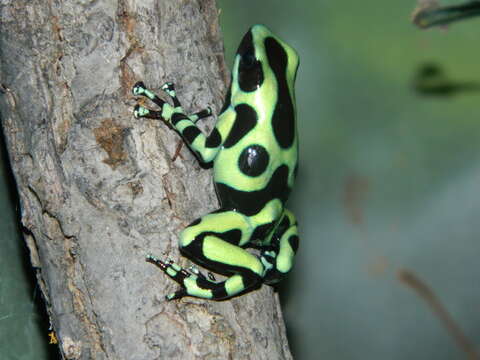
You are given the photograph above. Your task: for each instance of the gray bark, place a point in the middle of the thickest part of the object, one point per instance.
(99, 190)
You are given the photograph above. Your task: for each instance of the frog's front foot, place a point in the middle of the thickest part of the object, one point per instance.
(169, 88)
(139, 88)
(140, 111)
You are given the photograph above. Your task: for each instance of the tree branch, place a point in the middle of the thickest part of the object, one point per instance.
(99, 190)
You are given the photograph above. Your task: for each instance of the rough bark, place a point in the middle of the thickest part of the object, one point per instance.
(99, 190)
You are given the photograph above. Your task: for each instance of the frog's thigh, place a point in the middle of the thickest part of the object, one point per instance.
(213, 241)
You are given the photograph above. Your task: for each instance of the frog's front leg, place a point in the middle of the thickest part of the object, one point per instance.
(213, 242)
(278, 258)
(206, 148)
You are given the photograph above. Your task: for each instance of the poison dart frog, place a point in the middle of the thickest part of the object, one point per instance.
(253, 149)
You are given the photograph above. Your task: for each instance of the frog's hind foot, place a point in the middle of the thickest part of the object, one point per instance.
(183, 277)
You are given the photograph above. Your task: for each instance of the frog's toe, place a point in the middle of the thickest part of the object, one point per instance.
(176, 295)
(170, 268)
(192, 269)
(156, 261)
(140, 111)
(138, 88)
(168, 86)
(175, 272)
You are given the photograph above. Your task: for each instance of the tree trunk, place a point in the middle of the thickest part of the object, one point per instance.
(99, 190)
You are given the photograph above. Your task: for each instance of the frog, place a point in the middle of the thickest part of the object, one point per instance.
(252, 238)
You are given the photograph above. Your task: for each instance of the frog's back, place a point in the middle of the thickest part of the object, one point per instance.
(258, 159)
(254, 150)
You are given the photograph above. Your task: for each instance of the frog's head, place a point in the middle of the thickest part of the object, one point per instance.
(263, 57)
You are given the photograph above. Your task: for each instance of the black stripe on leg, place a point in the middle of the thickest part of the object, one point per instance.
(261, 231)
(219, 292)
(177, 117)
(190, 134)
(214, 139)
(293, 240)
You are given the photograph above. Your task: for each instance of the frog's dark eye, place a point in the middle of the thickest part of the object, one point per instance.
(248, 61)
(250, 73)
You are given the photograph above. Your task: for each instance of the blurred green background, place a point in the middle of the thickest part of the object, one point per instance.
(389, 176)
(389, 120)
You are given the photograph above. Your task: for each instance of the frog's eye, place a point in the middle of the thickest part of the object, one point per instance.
(248, 61)
(250, 73)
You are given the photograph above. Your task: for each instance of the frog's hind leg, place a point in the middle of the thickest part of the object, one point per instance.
(278, 259)
(213, 241)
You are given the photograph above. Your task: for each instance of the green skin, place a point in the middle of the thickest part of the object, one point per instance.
(254, 152)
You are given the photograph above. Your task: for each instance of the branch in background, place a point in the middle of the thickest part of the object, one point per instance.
(421, 288)
(429, 13)
(430, 79)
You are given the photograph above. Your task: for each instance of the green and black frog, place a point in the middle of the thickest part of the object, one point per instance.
(254, 153)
